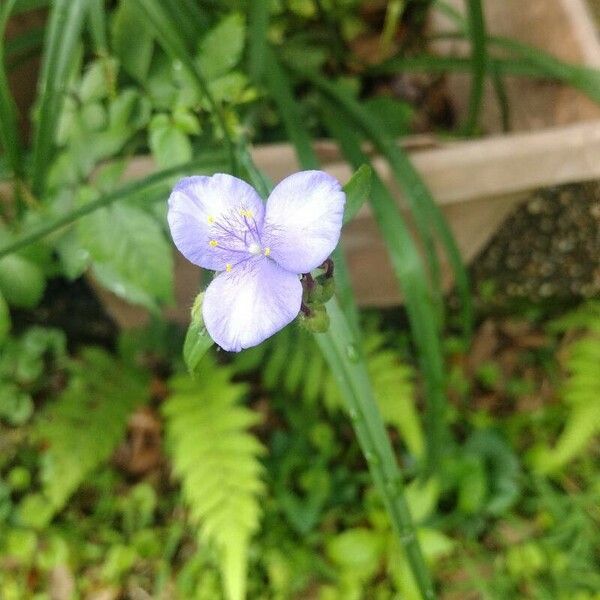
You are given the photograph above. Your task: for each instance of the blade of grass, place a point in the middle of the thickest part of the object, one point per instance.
(258, 24)
(340, 349)
(281, 91)
(63, 33)
(585, 79)
(478, 38)
(502, 98)
(174, 45)
(185, 25)
(427, 214)
(393, 14)
(203, 164)
(533, 62)
(97, 24)
(9, 124)
(410, 271)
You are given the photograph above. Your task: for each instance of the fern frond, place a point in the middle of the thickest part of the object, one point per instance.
(292, 363)
(581, 391)
(80, 430)
(216, 460)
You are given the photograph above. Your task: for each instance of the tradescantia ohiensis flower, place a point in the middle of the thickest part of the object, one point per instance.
(260, 250)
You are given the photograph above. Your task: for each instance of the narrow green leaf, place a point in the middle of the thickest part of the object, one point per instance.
(428, 216)
(585, 79)
(478, 38)
(5, 322)
(357, 191)
(340, 349)
(410, 271)
(258, 24)
(97, 25)
(63, 34)
(281, 91)
(197, 341)
(201, 164)
(9, 126)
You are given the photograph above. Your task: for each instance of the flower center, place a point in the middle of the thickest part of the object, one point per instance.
(254, 248)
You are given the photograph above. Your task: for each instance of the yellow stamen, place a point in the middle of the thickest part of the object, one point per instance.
(267, 251)
(211, 219)
(246, 213)
(228, 268)
(213, 243)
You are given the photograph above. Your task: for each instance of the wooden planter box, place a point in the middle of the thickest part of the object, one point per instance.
(477, 183)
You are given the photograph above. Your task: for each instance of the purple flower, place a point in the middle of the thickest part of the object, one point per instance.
(220, 223)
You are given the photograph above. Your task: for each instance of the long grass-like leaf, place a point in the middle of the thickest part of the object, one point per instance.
(477, 36)
(174, 44)
(62, 36)
(258, 25)
(585, 79)
(9, 126)
(201, 164)
(97, 24)
(428, 216)
(340, 349)
(410, 271)
(526, 60)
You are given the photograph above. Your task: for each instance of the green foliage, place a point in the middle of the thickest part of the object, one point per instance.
(22, 282)
(221, 48)
(197, 341)
(216, 459)
(291, 363)
(132, 44)
(357, 191)
(80, 429)
(25, 363)
(580, 391)
(5, 322)
(130, 255)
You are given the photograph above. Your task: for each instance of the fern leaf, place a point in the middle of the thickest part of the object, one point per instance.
(581, 391)
(217, 461)
(80, 430)
(292, 363)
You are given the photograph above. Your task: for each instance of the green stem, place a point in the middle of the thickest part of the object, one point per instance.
(342, 352)
(53, 225)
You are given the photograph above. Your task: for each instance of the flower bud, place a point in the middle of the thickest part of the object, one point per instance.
(315, 320)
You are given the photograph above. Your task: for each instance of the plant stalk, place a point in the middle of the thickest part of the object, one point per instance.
(343, 355)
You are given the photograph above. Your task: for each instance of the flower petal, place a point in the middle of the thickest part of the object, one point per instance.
(214, 219)
(303, 220)
(256, 299)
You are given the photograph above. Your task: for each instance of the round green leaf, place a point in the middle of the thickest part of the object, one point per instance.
(21, 282)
